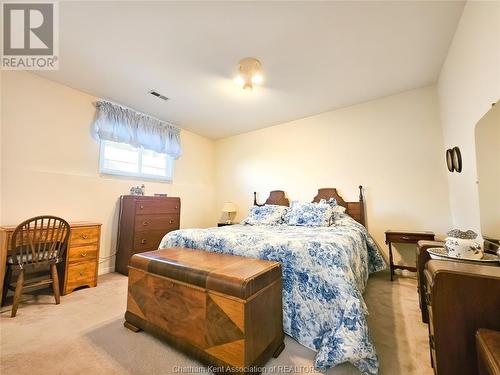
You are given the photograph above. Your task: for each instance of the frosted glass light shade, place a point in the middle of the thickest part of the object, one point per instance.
(249, 73)
(229, 207)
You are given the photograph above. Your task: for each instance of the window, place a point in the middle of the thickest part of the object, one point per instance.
(125, 160)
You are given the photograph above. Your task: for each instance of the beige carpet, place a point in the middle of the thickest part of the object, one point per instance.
(85, 335)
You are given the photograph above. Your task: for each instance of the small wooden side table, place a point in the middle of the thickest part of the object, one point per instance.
(393, 236)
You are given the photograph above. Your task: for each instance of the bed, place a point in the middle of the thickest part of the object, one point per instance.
(325, 271)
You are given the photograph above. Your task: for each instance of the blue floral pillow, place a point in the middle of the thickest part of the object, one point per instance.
(337, 209)
(309, 214)
(331, 201)
(268, 214)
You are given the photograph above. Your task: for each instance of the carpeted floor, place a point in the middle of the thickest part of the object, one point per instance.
(85, 335)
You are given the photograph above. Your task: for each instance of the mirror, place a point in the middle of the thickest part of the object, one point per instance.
(488, 171)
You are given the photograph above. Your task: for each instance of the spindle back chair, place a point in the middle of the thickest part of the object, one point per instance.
(37, 243)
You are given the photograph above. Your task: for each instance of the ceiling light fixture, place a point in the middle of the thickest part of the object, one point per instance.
(249, 73)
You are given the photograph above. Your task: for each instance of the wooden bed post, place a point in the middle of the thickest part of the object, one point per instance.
(362, 205)
(255, 198)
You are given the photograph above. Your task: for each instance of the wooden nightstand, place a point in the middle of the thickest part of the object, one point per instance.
(393, 236)
(225, 224)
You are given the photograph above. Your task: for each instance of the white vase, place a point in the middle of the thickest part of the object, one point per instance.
(465, 248)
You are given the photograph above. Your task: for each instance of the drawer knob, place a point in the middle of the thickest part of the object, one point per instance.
(145, 223)
(176, 207)
(83, 255)
(84, 236)
(171, 221)
(143, 241)
(405, 238)
(141, 206)
(82, 273)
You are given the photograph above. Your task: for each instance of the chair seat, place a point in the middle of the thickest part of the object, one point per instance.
(28, 258)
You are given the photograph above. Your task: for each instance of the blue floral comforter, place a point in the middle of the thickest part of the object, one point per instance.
(325, 271)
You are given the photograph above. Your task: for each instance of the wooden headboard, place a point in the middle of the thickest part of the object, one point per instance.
(277, 197)
(356, 210)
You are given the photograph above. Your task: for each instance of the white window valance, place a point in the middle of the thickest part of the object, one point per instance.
(120, 124)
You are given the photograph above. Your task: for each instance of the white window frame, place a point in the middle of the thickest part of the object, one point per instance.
(168, 167)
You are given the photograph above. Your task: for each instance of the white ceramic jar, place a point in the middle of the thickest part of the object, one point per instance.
(464, 245)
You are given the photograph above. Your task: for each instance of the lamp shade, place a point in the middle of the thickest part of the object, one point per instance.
(229, 207)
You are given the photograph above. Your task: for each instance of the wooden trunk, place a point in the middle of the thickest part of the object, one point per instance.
(225, 310)
(142, 224)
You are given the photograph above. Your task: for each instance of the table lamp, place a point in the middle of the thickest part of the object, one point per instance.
(228, 208)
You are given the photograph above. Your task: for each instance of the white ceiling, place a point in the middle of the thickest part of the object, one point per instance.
(316, 56)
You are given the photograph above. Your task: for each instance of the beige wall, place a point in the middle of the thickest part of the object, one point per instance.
(50, 162)
(392, 146)
(488, 171)
(469, 83)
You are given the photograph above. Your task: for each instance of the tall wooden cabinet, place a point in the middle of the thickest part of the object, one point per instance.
(142, 224)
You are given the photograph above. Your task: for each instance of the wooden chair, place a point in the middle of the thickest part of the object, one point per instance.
(37, 245)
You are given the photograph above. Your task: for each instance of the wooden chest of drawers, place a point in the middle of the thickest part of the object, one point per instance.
(81, 259)
(142, 224)
(461, 298)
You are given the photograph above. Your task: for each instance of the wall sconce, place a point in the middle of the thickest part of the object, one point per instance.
(454, 159)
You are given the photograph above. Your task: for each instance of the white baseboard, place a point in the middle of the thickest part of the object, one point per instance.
(104, 270)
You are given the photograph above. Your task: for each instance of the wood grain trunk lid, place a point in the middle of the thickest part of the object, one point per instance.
(232, 275)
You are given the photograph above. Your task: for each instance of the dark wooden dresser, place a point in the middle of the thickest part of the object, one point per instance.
(461, 298)
(422, 258)
(488, 351)
(143, 222)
